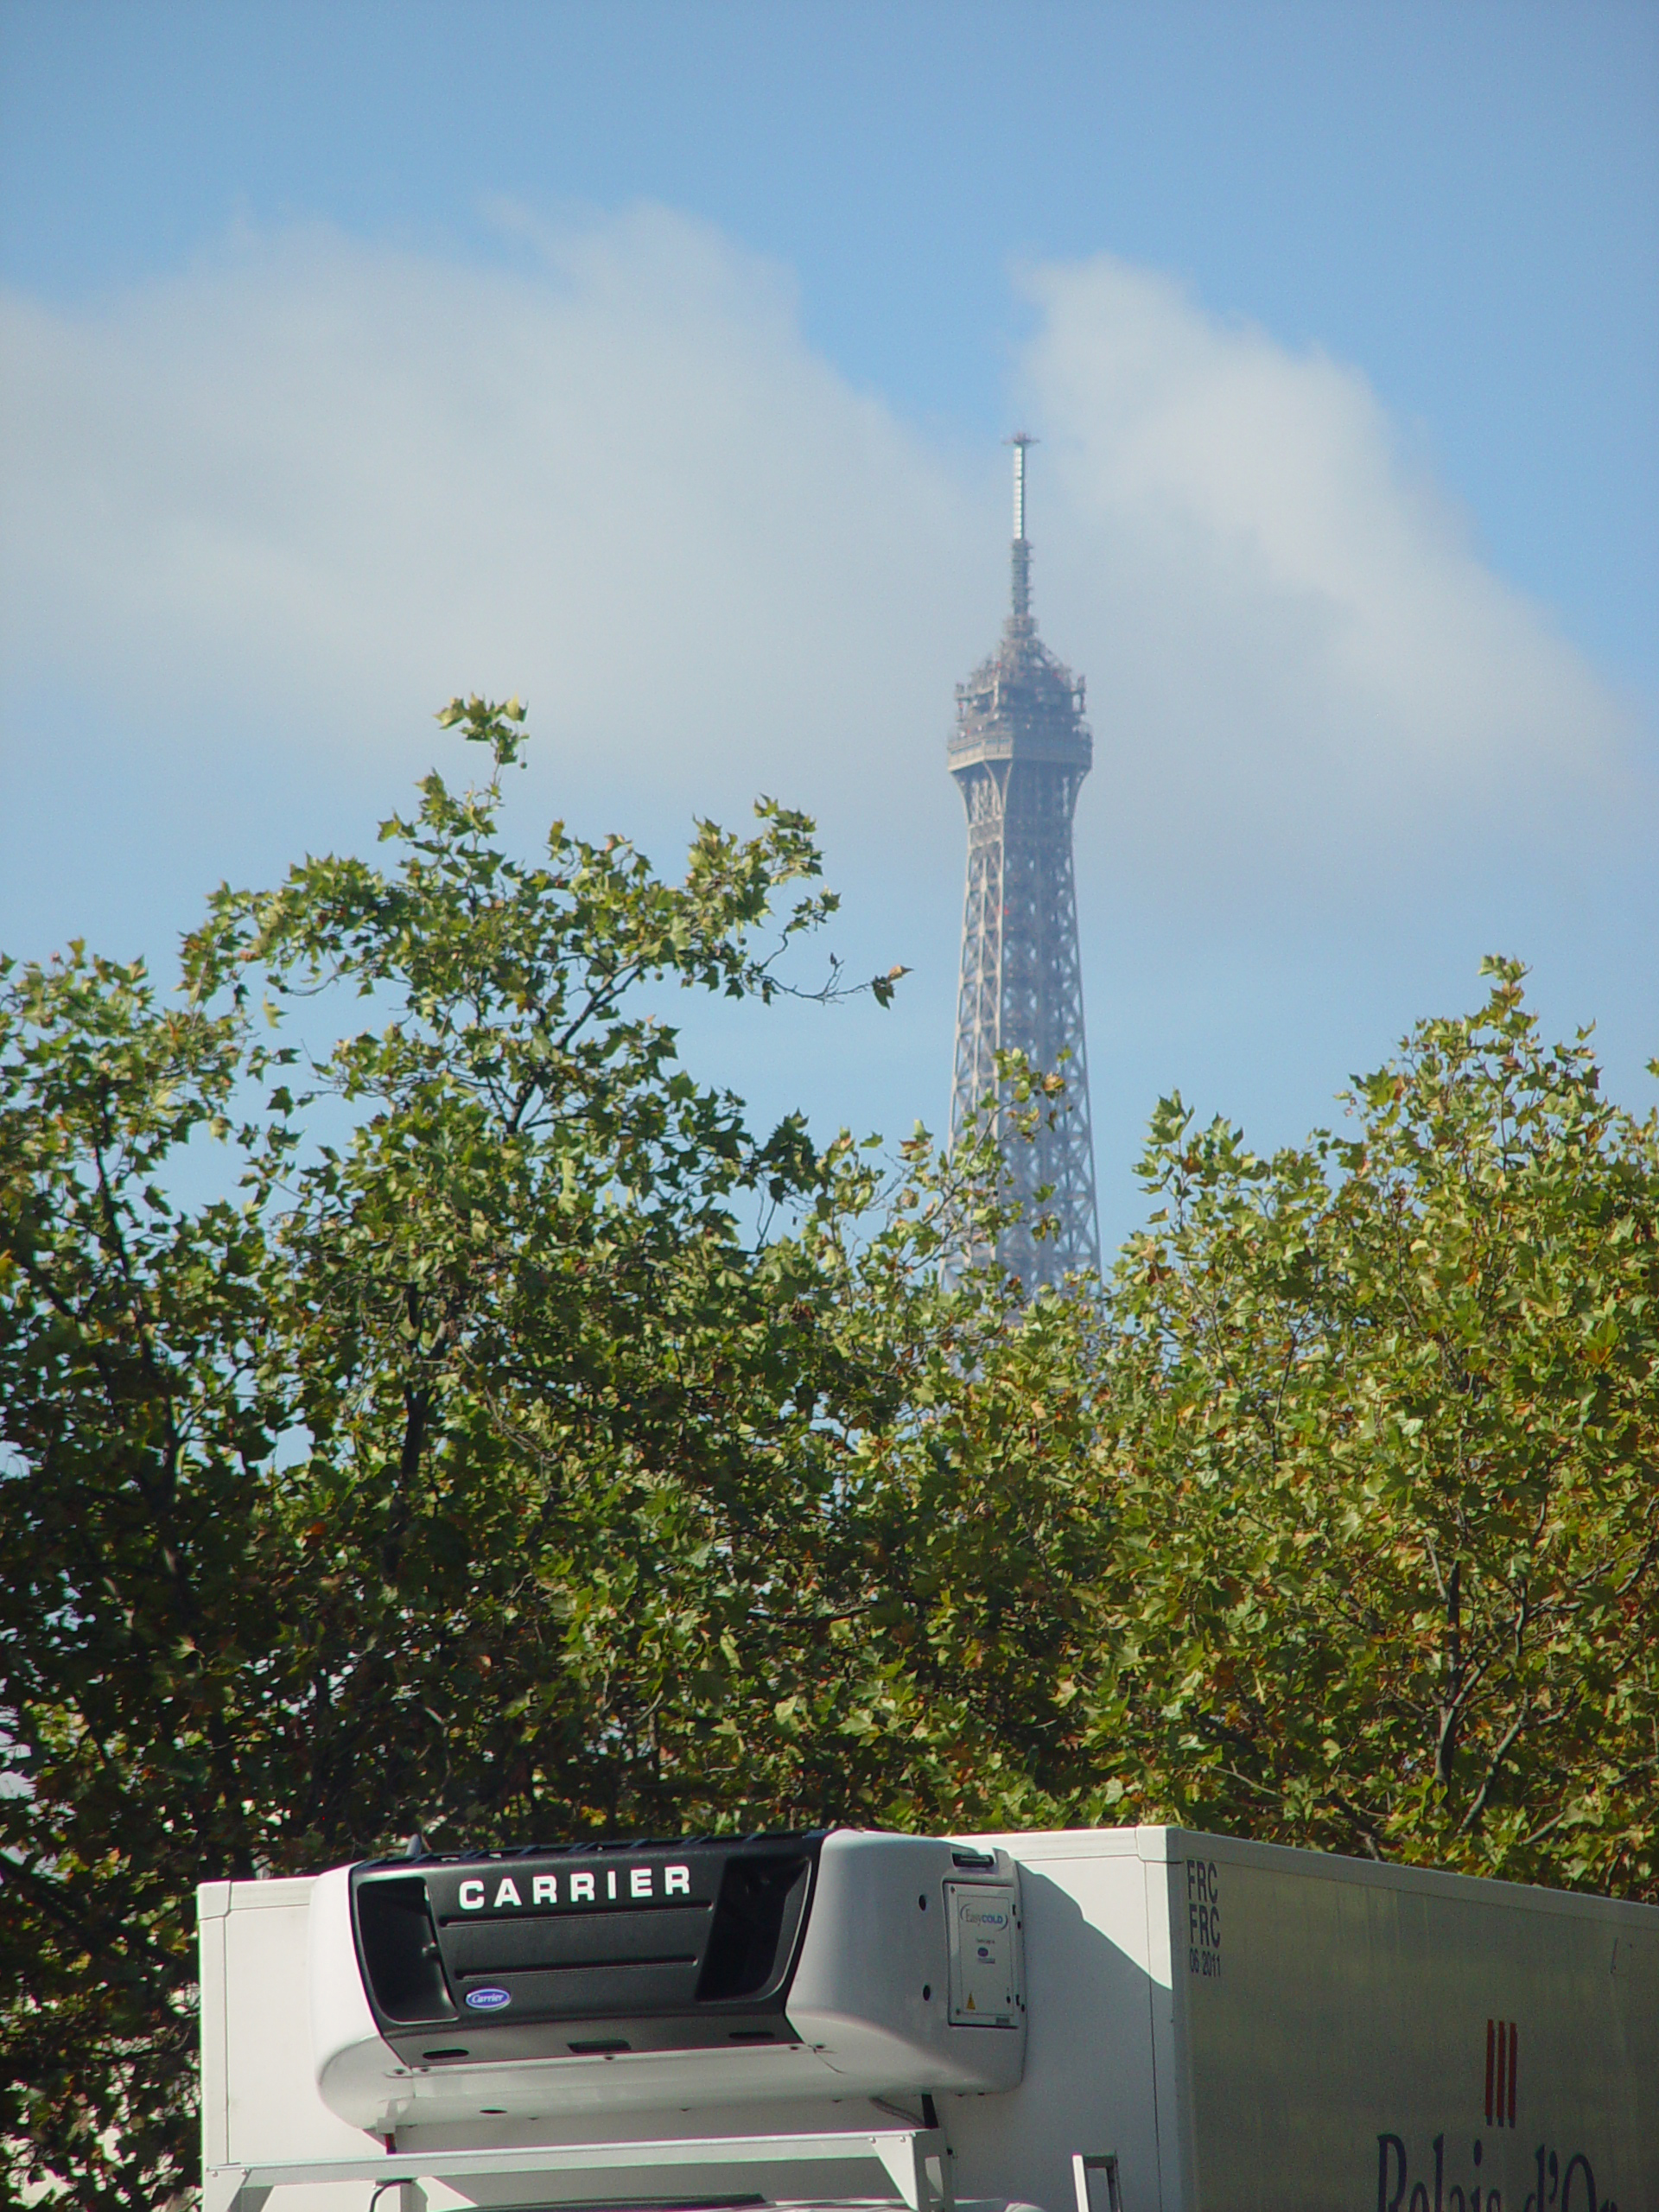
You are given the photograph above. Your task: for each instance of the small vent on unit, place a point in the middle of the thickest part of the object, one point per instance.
(756, 1922)
(400, 1951)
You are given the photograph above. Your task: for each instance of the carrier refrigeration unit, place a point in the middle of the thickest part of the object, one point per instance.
(1131, 2020)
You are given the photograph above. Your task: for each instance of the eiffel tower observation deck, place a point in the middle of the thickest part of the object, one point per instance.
(1020, 753)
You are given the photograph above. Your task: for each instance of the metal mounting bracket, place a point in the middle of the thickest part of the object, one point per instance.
(913, 2161)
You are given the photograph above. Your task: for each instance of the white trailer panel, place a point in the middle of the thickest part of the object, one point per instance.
(1261, 2029)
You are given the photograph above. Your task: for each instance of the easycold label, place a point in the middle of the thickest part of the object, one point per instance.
(984, 1954)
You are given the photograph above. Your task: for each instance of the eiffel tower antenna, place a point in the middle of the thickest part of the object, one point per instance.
(1019, 753)
(1019, 441)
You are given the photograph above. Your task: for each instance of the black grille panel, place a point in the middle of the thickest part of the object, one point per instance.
(574, 1951)
(670, 1938)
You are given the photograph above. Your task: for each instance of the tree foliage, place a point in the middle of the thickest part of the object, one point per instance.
(1388, 1409)
(527, 1447)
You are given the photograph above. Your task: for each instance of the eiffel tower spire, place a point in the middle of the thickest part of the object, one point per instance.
(1019, 753)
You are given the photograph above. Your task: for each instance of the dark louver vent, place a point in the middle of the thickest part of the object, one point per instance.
(756, 1922)
(399, 1945)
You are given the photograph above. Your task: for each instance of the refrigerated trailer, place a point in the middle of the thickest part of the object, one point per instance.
(1123, 2020)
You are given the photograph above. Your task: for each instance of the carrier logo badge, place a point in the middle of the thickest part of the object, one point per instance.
(488, 2000)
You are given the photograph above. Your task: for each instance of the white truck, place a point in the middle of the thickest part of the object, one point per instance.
(1130, 2020)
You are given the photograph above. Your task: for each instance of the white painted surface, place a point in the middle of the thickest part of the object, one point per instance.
(1249, 2029)
(1089, 2084)
(1345, 2003)
(259, 2096)
(872, 1987)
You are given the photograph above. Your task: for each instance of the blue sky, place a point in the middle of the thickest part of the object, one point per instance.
(654, 361)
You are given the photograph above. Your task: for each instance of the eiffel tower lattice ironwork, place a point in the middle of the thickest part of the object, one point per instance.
(1020, 753)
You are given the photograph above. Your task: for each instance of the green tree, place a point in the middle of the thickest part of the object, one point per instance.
(528, 1448)
(479, 1470)
(137, 1424)
(1380, 1427)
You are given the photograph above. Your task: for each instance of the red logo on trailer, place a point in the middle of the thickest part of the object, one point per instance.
(1503, 2054)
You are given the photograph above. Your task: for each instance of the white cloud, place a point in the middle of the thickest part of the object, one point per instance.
(311, 486)
(321, 483)
(1291, 640)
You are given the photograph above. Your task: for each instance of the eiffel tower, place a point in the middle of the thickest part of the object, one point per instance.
(1020, 753)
